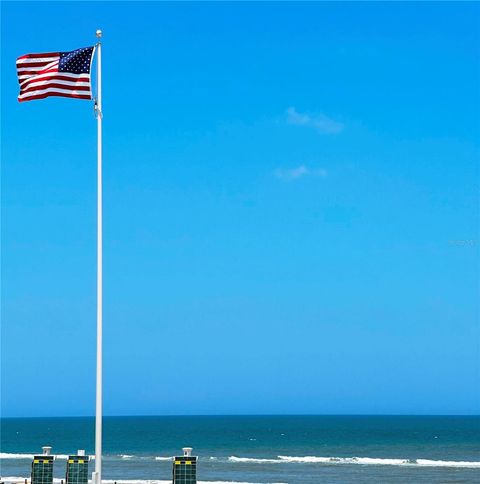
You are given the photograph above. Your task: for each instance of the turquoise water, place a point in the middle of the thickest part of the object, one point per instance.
(260, 449)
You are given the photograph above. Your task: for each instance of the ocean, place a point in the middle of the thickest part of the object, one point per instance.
(257, 449)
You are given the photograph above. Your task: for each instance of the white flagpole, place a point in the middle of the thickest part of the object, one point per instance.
(97, 475)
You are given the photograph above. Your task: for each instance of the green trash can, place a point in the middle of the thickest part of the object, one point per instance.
(42, 467)
(185, 468)
(77, 468)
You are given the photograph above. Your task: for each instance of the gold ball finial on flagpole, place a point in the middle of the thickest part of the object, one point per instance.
(98, 33)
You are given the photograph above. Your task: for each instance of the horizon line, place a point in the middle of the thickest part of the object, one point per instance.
(254, 415)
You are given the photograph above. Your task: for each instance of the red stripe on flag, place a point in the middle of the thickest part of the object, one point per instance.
(54, 84)
(36, 73)
(58, 77)
(39, 56)
(48, 94)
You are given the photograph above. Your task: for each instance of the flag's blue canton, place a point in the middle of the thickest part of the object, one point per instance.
(77, 62)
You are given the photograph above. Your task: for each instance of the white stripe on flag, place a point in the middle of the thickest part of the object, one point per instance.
(40, 68)
(58, 81)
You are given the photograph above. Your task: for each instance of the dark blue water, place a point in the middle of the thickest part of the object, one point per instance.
(260, 449)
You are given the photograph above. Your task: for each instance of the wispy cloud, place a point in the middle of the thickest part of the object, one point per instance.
(320, 122)
(298, 172)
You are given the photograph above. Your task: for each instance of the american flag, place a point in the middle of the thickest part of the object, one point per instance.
(65, 74)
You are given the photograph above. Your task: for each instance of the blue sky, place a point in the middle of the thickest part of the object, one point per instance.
(291, 211)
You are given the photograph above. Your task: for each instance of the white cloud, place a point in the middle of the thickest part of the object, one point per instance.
(322, 123)
(299, 172)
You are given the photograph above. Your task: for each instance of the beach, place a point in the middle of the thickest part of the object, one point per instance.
(257, 449)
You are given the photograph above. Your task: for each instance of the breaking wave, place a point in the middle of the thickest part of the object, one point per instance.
(140, 457)
(284, 459)
(11, 480)
(7, 455)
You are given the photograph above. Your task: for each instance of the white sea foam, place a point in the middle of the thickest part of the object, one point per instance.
(283, 459)
(21, 480)
(446, 463)
(344, 460)
(233, 458)
(7, 455)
